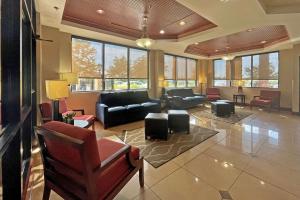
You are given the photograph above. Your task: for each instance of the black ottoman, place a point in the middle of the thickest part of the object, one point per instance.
(231, 103)
(179, 120)
(156, 126)
(220, 108)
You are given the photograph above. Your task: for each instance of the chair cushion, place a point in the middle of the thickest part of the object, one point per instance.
(212, 91)
(110, 177)
(117, 108)
(68, 155)
(46, 110)
(261, 102)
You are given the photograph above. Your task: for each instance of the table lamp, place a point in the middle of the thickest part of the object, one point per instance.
(55, 90)
(240, 87)
(70, 77)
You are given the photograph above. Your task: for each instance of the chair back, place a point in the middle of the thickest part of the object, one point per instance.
(63, 106)
(270, 94)
(212, 91)
(70, 155)
(46, 111)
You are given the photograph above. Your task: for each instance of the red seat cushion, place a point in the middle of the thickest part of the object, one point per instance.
(112, 176)
(213, 97)
(67, 154)
(261, 102)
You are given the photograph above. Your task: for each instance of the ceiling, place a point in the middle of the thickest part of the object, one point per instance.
(254, 38)
(231, 17)
(124, 17)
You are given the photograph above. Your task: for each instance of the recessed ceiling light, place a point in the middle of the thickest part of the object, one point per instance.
(224, 1)
(182, 23)
(228, 47)
(100, 11)
(249, 30)
(263, 42)
(216, 50)
(196, 43)
(162, 32)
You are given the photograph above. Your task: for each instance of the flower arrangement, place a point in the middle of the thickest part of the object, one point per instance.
(68, 117)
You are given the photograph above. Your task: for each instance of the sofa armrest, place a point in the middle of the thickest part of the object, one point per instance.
(101, 112)
(197, 94)
(155, 100)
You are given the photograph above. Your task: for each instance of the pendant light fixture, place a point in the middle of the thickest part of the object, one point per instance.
(228, 56)
(145, 41)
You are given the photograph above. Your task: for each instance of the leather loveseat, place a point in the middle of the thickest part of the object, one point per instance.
(184, 98)
(114, 108)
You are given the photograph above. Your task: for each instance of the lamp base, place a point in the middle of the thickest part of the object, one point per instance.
(56, 115)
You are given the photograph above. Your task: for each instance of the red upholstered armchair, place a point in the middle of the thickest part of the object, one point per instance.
(77, 166)
(267, 98)
(46, 112)
(213, 94)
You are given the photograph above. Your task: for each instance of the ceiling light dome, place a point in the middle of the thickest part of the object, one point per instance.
(228, 57)
(145, 42)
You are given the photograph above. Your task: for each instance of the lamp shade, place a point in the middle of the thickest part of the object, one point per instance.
(56, 89)
(71, 78)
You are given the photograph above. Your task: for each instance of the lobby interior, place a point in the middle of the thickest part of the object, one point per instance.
(99, 47)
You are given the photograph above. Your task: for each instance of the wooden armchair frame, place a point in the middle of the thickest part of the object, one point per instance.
(86, 187)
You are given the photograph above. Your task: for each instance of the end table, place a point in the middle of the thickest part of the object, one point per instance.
(242, 98)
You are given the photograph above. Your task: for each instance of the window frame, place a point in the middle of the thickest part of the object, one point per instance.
(186, 71)
(102, 77)
(251, 78)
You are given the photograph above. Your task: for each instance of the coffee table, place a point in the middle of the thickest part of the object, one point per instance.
(231, 103)
(220, 108)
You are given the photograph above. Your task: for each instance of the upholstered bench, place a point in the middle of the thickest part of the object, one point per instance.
(156, 126)
(179, 120)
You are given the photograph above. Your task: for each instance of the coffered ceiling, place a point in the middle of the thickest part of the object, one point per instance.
(253, 38)
(124, 17)
(218, 21)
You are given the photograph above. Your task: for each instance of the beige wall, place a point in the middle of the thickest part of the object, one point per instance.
(56, 57)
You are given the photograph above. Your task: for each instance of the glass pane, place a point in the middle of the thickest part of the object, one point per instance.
(191, 69)
(116, 84)
(246, 67)
(219, 69)
(138, 84)
(115, 61)
(265, 83)
(181, 83)
(87, 58)
(243, 83)
(88, 84)
(273, 65)
(138, 63)
(181, 68)
(191, 83)
(170, 83)
(265, 66)
(222, 83)
(169, 68)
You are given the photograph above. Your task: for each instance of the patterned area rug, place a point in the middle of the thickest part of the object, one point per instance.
(159, 152)
(232, 119)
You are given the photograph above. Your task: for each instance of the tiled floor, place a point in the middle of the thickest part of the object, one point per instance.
(258, 158)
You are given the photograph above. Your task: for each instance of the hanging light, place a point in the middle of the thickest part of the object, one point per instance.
(145, 41)
(228, 56)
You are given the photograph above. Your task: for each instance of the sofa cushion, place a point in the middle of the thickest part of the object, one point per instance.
(116, 109)
(67, 154)
(110, 177)
(181, 92)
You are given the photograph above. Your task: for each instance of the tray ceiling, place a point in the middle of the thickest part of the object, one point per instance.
(250, 39)
(124, 17)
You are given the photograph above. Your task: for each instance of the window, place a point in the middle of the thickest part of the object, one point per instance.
(248, 71)
(103, 66)
(179, 72)
(220, 73)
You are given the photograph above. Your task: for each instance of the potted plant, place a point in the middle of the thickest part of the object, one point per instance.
(69, 117)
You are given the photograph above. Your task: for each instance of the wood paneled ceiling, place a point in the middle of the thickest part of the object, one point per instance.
(250, 39)
(124, 17)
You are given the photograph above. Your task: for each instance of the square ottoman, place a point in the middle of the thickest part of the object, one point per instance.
(221, 109)
(156, 126)
(179, 120)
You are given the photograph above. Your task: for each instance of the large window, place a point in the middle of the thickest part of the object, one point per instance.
(220, 73)
(259, 70)
(179, 71)
(104, 66)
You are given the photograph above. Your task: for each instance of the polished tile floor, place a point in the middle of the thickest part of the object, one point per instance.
(258, 158)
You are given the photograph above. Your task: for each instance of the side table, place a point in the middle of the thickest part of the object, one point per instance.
(242, 98)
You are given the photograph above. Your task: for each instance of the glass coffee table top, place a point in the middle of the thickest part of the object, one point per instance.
(81, 123)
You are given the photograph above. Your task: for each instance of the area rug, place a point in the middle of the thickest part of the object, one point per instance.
(159, 152)
(232, 119)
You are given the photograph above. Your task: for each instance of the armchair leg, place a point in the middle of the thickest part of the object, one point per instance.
(141, 174)
(46, 194)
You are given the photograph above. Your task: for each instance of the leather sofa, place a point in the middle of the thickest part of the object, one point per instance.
(115, 108)
(184, 98)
